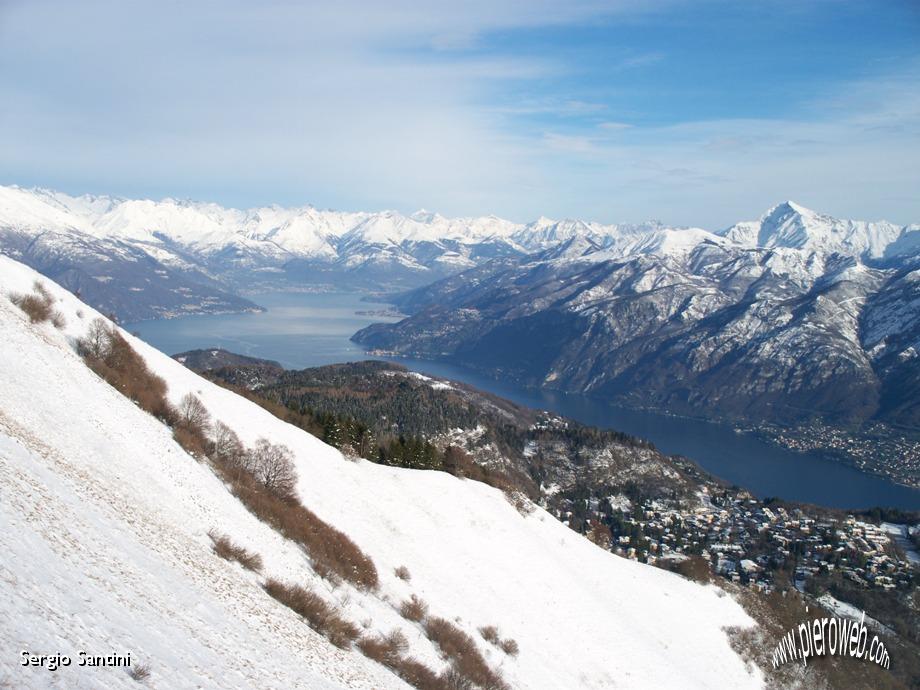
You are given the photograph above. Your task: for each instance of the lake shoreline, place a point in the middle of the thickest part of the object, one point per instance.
(309, 329)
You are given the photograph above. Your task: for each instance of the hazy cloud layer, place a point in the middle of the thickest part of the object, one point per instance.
(365, 105)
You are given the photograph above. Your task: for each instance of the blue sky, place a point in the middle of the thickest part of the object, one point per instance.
(697, 113)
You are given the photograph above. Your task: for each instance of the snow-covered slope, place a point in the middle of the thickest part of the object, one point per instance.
(104, 530)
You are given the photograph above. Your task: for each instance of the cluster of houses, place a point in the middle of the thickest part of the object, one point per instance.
(747, 541)
(890, 455)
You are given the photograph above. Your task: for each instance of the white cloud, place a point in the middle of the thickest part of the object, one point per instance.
(371, 105)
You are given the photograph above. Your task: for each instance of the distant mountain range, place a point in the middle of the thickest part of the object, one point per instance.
(792, 315)
(150, 259)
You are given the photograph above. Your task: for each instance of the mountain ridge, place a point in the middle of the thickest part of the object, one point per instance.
(211, 253)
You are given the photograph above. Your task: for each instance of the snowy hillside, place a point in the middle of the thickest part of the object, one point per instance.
(105, 521)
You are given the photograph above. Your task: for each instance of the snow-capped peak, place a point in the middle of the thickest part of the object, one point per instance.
(794, 226)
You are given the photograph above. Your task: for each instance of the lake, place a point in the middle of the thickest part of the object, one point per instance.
(312, 329)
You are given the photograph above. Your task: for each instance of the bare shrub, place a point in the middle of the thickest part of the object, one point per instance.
(107, 353)
(510, 647)
(319, 615)
(396, 641)
(226, 447)
(402, 572)
(389, 650)
(226, 549)
(332, 553)
(140, 673)
(272, 466)
(38, 306)
(341, 632)
(490, 634)
(192, 440)
(460, 649)
(97, 340)
(192, 413)
(418, 675)
(457, 681)
(192, 423)
(413, 609)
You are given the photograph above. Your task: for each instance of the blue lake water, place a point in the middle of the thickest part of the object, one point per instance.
(312, 329)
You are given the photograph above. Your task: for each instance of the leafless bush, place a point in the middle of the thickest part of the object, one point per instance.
(510, 647)
(419, 676)
(192, 440)
(192, 422)
(389, 651)
(332, 553)
(227, 550)
(97, 340)
(272, 466)
(457, 681)
(460, 649)
(413, 609)
(107, 353)
(490, 634)
(192, 413)
(226, 446)
(320, 616)
(38, 306)
(384, 649)
(402, 572)
(140, 673)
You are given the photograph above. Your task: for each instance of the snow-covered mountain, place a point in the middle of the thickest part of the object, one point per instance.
(794, 226)
(105, 522)
(780, 333)
(179, 256)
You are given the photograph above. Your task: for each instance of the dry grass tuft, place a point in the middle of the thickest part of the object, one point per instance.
(413, 609)
(510, 647)
(465, 659)
(490, 634)
(229, 551)
(38, 306)
(385, 649)
(140, 673)
(402, 572)
(319, 615)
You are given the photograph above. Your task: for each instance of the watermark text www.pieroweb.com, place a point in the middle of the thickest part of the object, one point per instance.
(837, 636)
